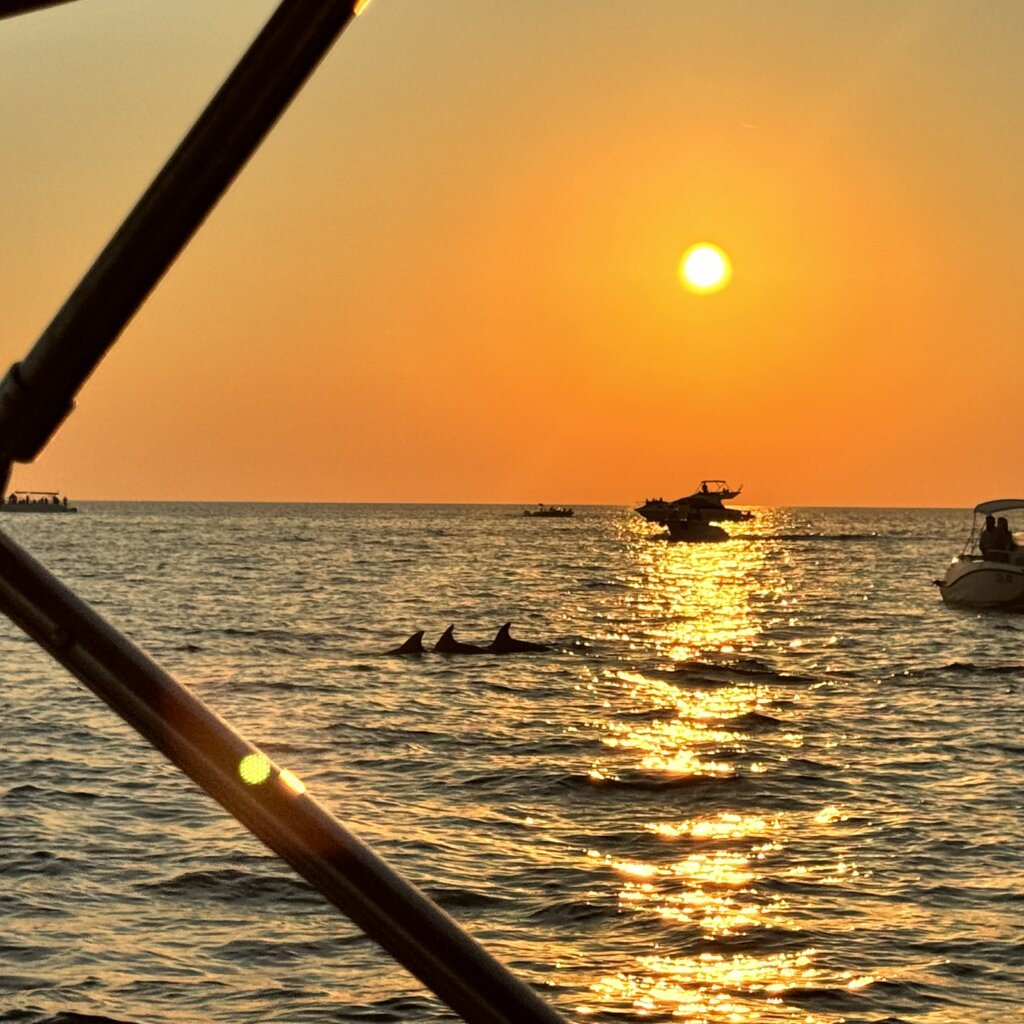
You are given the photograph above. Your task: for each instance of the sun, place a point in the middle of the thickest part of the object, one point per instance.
(704, 268)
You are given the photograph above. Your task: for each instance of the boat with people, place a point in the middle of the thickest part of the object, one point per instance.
(36, 501)
(549, 512)
(708, 499)
(989, 573)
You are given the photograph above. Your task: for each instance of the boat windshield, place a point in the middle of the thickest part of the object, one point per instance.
(713, 487)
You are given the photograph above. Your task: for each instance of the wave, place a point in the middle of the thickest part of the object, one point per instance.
(38, 863)
(646, 781)
(724, 671)
(755, 721)
(63, 1017)
(232, 885)
(958, 668)
(281, 636)
(574, 911)
(275, 951)
(456, 898)
(839, 538)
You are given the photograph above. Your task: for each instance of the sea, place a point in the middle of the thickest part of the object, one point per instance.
(772, 780)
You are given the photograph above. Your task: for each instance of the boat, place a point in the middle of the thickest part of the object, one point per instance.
(36, 501)
(695, 529)
(989, 578)
(549, 512)
(708, 498)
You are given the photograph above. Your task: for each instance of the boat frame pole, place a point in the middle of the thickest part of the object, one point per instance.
(38, 393)
(9, 8)
(36, 396)
(270, 802)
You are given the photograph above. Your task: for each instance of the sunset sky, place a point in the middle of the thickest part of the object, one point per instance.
(450, 274)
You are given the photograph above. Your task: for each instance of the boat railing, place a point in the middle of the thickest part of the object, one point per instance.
(35, 397)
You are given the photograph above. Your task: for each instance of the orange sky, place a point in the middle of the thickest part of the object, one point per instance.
(450, 272)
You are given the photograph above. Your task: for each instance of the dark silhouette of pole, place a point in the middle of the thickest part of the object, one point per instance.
(38, 393)
(35, 397)
(270, 802)
(12, 7)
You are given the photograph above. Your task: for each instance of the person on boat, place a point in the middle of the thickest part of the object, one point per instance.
(1003, 540)
(987, 537)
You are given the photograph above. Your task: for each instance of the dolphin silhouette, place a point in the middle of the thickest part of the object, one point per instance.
(505, 644)
(447, 644)
(414, 645)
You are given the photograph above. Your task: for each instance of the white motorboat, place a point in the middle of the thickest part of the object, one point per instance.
(983, 576)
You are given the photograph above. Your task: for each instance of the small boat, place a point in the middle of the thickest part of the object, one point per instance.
(695, 529)
(708, 499)
(36, 501)
(549, 512)
(987, 577)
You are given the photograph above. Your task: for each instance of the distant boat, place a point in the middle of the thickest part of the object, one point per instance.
(983, 576)
(707, 499)
(549, 512)
(36, 501)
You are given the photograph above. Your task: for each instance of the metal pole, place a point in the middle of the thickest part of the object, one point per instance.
(38, 393)
(272, 803)
(12, 7)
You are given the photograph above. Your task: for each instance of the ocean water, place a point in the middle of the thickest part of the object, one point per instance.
(767, 781)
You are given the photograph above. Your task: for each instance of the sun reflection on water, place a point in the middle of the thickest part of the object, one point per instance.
(691, 600)
(693, 737)
(713, 878)
(740, 989)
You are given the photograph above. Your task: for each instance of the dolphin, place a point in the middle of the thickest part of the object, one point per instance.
(414, 645)
(447, 644)
(505, 644)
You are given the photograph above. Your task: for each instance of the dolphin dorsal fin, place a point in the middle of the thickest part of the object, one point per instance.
(414, 645)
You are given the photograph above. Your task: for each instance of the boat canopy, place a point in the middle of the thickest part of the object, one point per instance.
(999, 505)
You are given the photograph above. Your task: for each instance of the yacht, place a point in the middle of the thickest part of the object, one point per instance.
(992, 578)
(707, 499)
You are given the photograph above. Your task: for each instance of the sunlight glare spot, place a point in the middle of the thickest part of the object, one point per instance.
(829, 814)
(293, 782)
(254, 769)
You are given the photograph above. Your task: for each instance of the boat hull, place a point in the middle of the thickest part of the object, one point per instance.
(663, 511)
(37, 509)
(977, 583)
(695, 531)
